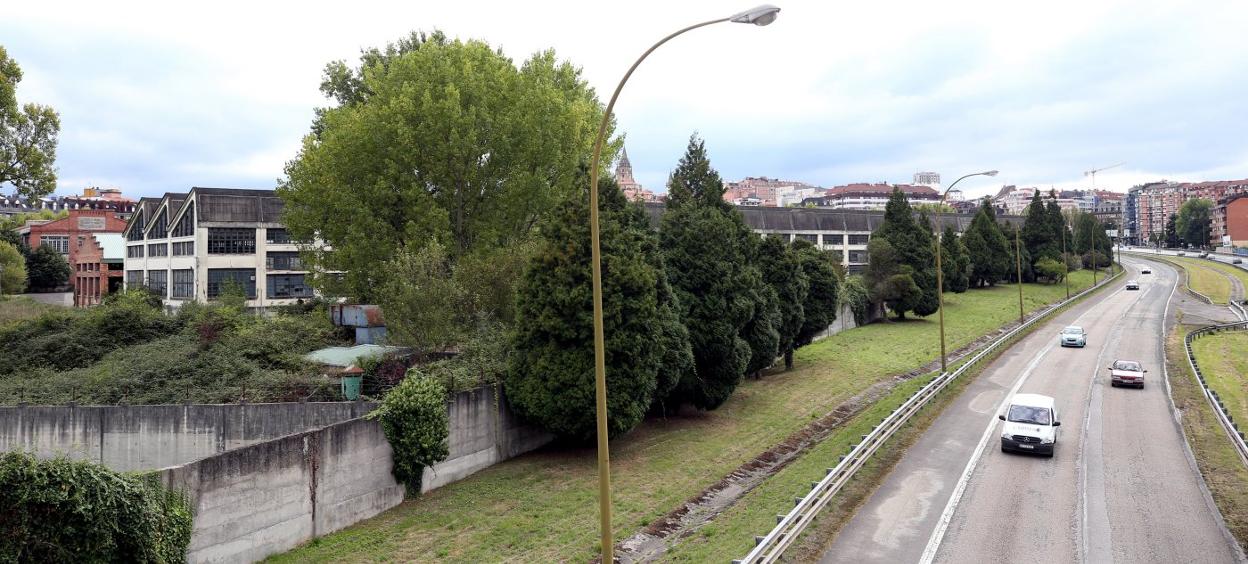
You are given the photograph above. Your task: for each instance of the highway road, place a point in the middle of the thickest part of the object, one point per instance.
(1121, 486)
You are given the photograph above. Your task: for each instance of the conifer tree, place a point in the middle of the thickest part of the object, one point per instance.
(823, 297)
(782, 270)
(955, 264)
(913, 243)
(987, 248)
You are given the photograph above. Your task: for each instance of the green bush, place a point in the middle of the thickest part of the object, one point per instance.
(61, 511)
(413, 416)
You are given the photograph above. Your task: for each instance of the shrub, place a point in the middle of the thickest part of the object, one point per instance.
(12, 270)
(1050, 269)
(46, 269)
(413, 416)
(1095, 259)
(855, 293)
(61, 510)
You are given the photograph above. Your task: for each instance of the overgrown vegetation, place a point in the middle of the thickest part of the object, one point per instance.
(413, 416)
(60, 510)
(128, 350)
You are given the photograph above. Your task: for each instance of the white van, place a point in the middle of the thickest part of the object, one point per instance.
(1031, 424)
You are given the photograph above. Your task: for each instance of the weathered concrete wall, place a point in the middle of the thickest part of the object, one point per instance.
(273, 496)
(145, 437)
(483, 432)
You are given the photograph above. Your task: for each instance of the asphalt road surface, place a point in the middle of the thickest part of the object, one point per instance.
(1121, 486)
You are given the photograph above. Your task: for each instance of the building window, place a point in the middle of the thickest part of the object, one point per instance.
(859, 239)
(288, 286)
(157, 281)
(58, 242)
(136, 228)
(812, 237)
(160, 226)
(158, 250)
(283, 261)
(134, 279)
(134, 251)
(186, 224)
(231, 241)
(184, 249)
(276, 236)
(183, 283)
(858, 257)
(219, 278)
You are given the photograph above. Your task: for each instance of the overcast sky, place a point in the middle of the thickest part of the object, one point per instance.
(158, 97)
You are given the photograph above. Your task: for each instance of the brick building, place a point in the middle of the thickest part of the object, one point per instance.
(99, 269)
(1230, 221)
(69, 234)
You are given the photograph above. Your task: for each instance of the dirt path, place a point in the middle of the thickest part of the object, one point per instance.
(652, 542)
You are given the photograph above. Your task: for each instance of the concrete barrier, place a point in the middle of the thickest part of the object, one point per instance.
(265, 478)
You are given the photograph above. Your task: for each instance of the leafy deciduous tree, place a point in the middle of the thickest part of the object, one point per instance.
(46, 269)
(440, 139)
(1194, 221)
(27, 137)
(12, 269)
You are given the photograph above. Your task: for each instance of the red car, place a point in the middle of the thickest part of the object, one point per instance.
(1126, 373)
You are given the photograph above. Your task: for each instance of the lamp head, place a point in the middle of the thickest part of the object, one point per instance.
(761, 15)
(990, 173)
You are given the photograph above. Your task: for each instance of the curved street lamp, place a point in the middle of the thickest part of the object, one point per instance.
(760, 16)
(940, 280)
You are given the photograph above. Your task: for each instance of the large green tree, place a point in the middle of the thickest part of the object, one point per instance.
(912, 241)
(710, 253)
(955, 264)
(551, 376)
(46, 269)
(12, 269)
(889, 280)
(27, 137)
(987, 248)
(1090, 233)
(1195, 219)
(782, 270)
(1172, 231)
(823, 296)
(1038, 234)
(434, 140)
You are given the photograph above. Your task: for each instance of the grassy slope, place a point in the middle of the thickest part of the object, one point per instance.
(543, 506)
(1223, 357)
(1206, 279)
(1224, 472)
(16, 308)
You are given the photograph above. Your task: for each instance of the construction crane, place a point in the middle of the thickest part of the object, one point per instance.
(1093, 172)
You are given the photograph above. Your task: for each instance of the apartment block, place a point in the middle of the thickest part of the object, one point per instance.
(192, 246)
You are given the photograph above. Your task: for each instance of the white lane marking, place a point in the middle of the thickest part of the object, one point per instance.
(938, 534)
(1114, 337)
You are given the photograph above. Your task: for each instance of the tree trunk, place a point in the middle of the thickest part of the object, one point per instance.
(788, 360)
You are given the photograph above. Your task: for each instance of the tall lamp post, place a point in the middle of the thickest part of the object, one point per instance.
(940, 279)
(761, 15)
(1018, 259)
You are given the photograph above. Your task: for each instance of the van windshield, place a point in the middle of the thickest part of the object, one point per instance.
(1028, 414)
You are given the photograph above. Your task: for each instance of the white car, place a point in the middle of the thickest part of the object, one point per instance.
(1126, 373)
(1146, 270)
(1073, 336)
(1133, 285)
(1031, 424)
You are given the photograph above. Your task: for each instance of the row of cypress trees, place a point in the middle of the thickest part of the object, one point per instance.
(689, 309)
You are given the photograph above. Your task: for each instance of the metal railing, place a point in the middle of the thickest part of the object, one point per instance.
(788, 527)
(1224, 415)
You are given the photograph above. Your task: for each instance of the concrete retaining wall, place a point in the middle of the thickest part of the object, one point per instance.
(266, 478)
(146, 437)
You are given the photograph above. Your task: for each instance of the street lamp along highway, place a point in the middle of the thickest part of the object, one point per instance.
(940, 280)
(760, 16)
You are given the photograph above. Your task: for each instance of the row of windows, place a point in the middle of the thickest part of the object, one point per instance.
(158, 250)
(134, 251)
(58, 242)
(860, 239)
(283, 260)
(219, 279)
(184, 249)
(231, 241)
(159, 228)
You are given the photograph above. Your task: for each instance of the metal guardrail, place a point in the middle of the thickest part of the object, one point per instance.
(788, 527)
(1224, 415)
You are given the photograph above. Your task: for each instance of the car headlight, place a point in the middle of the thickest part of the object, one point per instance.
(1005, 435)
(1046, 441)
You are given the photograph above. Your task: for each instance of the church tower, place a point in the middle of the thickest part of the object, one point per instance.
(624, 170)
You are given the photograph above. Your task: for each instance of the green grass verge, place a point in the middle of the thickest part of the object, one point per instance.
(1205, 278)
(17, 308)
(543, 506)
(1223, 357)
(1219, 462)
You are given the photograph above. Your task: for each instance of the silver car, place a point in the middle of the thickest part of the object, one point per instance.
(1073, 336)
(1133, 285)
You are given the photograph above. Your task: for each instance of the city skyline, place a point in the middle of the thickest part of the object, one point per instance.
(153, 100)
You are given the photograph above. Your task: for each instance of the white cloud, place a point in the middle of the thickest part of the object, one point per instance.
(159, 96)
